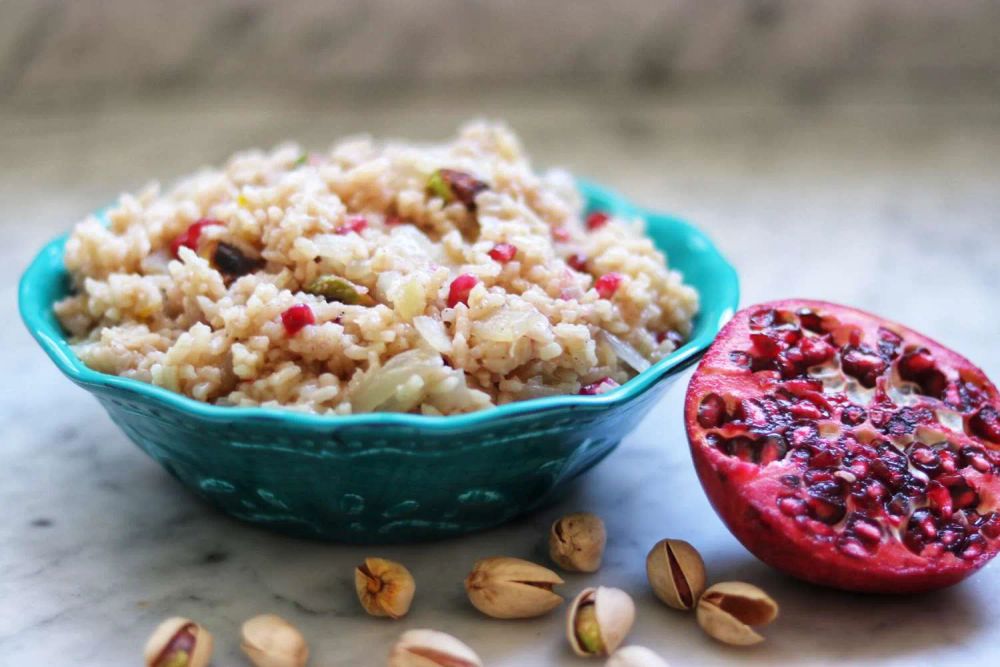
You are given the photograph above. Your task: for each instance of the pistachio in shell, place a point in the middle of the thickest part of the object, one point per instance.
(676, 572)
(271, 641)
(452, 185)
(576, 542)
(384, 587)
(727, 611)
(512, 588)
(430, 648)
(599, 620)
(335, 288)
(635, 656)
(178, 642)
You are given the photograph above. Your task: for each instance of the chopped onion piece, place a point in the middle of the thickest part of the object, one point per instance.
(626, 352)
(433, 332)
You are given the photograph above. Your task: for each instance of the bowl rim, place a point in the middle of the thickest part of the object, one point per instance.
(53, 342)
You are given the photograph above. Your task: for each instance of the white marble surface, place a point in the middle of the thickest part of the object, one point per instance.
(888, 201)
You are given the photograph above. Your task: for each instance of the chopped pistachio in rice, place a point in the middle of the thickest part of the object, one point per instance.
(152, 302)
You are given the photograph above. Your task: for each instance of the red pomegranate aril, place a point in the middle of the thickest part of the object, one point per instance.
(939, 499)
(792, 506)
(297, 317)
(712, 411)
(843, 489)
(810, 320)
(356, 224)
(976, 458)
(460, 288)
(601, 386)
(889, 343)
(986, 424)
(853, 415)
(863, 364)
(578, 262)
(503, 252)
(597, 219)
(920, 368)
(608, 284)
(925, 458)
(190, 237)
(963, 496)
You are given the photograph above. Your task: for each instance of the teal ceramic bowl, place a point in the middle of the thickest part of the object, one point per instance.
(379, 478)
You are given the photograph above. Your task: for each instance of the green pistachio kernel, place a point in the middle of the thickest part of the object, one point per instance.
(334, 288)
(588, 632)
(175, 659)
(438, 187)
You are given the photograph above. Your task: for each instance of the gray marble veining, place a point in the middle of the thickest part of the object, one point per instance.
(866, 199)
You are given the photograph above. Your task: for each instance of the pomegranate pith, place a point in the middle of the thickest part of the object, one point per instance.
(846, 450)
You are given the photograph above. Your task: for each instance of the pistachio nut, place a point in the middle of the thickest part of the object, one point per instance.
(676, 572)
(178, 642)
(384, 587)
(430, 648)
(635, 656)
(576, 542)
(271, 641)
(512, 588)
(727, 611)
(598, 620)
(452, 185)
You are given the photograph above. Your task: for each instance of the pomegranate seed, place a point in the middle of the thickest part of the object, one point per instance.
(297, 317)
(608, 284)
(356, 224)
(939, 498)
(712, 411)
(762, 319)
(503, 252)
(773, 448)
(863, 364)
(810, 320)
(189, 238)
(597, 219)
(601, 386)
(792, 506)
(578, 262)
(816, 351)
(852, 547)
(853, 415)
(973, 547)
(964, 496)
(986, 424)
(460, 288)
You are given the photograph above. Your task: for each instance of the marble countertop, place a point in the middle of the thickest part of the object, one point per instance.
(885, 200)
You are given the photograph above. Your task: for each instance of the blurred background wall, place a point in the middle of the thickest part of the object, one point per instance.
(69, 52)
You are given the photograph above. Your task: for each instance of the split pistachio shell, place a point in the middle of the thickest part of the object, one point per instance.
(512, 588)
(576, 542)
(178, 642)
(676, 572)
(271, 641)
(384, 587)
(430, 648)
(635, 656)
(727, 611)
(613, 612)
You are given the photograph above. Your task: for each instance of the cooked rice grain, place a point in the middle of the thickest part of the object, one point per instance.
(531, 327)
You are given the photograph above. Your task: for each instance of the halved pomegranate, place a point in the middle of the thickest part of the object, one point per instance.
(847, 450)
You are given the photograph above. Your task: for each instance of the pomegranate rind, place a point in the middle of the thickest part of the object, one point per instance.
(745, 494)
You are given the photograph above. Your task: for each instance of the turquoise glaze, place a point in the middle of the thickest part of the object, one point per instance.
(386, 477)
